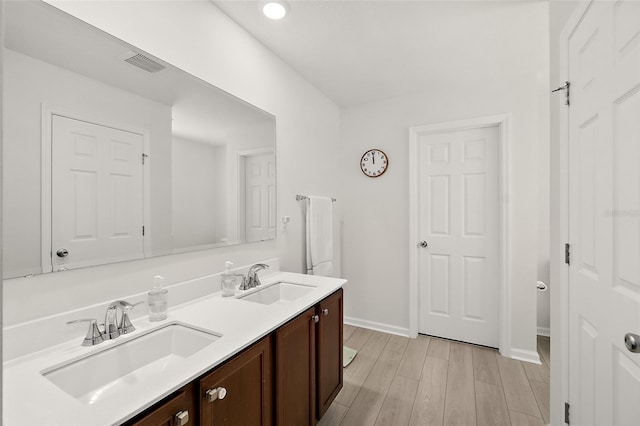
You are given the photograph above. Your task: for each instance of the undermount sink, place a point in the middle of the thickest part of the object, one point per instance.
(278, 292)
(108, 372)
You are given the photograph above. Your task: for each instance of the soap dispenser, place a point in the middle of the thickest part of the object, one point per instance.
(158, 300)
(228, 280)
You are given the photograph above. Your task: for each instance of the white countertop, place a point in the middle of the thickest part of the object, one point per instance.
(31, 399)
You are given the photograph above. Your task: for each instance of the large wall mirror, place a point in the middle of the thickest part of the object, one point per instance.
(111, 154)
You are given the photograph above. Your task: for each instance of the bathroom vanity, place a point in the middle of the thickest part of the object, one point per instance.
(302, 359)
(251, 359)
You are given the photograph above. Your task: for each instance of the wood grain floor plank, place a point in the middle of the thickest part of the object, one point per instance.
(366, 406)
(519, 419)
(458, 384)
(541, 392)
(357, 372)
(460, 401)
(439, 348)
(516, 386)
(485, 365)
(334, 415)
(428, 407)
(397, 406)
(490, 405)
(413, 360)
(347, 331)
(359, 338)
(537, 372)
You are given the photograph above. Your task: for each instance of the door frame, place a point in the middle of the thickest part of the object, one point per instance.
(48, 111)
(559, 386)
(504, 197)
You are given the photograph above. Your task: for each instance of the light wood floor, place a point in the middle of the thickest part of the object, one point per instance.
(397, 381)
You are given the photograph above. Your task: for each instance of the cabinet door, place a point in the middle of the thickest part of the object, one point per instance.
(329, 351)
(177, 410)
(244, 389)
(295, 370)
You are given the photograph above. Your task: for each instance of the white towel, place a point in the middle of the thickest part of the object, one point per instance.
(319, 236)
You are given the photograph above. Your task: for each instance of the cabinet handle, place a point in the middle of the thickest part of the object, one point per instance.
(315, 318)
(325, 312)
(217, 393)
(181, 418)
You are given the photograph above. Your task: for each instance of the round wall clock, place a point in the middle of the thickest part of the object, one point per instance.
(374, 163)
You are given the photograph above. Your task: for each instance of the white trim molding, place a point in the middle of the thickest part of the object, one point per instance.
(559, 386)
(377, 326)
(503, 123)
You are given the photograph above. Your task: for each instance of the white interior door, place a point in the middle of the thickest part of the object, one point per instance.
(260, 197)
(459, 222)
(97, 194)
(604, 214)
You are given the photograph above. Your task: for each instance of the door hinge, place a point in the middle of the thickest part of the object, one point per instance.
(566, 413)
(567, 94)
(143, 230)
(144, 156)
(567, 253)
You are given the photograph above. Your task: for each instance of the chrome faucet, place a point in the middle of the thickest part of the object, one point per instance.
(252, 276)
(112, 327)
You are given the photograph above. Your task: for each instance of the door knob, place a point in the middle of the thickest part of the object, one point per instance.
(423, 244)
(632, 342)
(63, 252)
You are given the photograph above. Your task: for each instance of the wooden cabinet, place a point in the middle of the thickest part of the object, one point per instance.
(329, 351)
(178, 409)
(309, 363)
(294, 388)
(295, 370)
(240, 392)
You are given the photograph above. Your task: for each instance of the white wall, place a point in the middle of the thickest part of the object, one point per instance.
(30, 83)
(200, 39)
(376, 231)
(199, 195)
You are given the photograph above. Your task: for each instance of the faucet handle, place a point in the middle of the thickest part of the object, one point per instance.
(94, 335)
(125, 325)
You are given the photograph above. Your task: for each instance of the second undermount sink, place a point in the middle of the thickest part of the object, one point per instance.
(117, 368)
(276, 293)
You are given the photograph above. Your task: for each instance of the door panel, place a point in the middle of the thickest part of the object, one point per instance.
(604, 213)
(97, 194)
(458, 215)
(260, 197)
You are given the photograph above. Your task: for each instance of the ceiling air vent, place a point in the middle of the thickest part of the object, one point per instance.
(143, 62)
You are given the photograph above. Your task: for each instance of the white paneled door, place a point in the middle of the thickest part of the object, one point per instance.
(96, 194)
(459, 227)
(260, 197)
(604, 215)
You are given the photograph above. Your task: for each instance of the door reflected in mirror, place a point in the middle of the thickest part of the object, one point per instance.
(111, 154)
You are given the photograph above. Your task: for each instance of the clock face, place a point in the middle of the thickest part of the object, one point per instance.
(374, 163)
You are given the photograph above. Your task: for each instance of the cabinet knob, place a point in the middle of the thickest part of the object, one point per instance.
(181, 418)
(216, 393)
(325, 312)
(315, 318)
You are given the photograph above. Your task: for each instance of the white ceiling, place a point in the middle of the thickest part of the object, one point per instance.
(200, 112)
(363, 51)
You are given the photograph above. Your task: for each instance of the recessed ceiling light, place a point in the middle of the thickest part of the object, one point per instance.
(275, 9)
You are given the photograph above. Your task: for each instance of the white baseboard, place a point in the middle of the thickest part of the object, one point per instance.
(525, 355)
(377, 326)
(544, 331)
